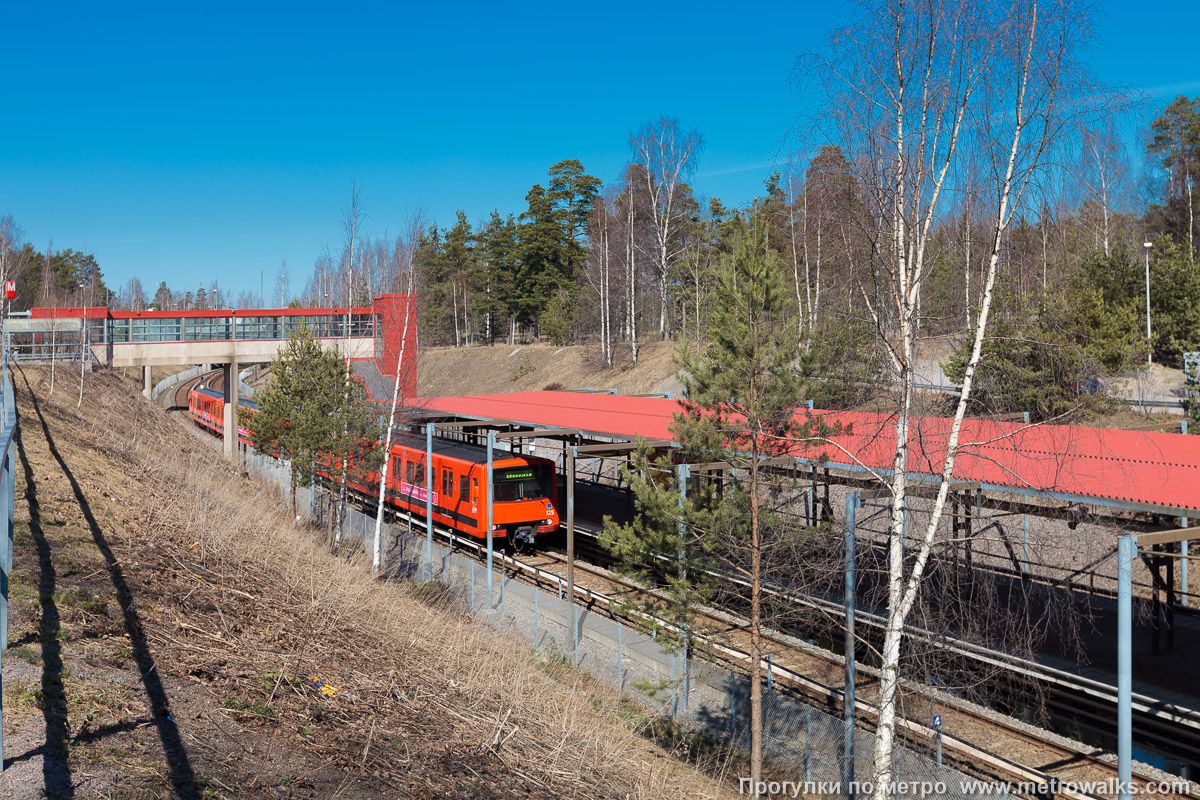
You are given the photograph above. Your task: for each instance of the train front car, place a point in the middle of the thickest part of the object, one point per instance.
(523, 501)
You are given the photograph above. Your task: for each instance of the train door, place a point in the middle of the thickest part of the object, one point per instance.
(395, 472)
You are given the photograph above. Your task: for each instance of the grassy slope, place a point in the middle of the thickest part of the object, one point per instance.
(168, 616)
(448, 371)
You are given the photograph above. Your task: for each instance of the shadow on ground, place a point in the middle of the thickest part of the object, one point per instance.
(56, 769)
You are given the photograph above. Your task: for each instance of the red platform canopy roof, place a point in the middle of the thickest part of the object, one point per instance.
(1157, 472)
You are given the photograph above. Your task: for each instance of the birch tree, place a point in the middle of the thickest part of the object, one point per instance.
(741, 394)
(601, 259)
(405, 364)
(1102, 177)
(908, 90)
(668, 156)
(13, 256)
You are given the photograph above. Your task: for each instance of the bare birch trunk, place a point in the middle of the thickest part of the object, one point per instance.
(662, 292)
(377, 545)
(1191, 220)
(631, 266)
(812, 325)
(967, 268)
(796, 279)
(902, 592)
(808, 288)
(1045, 256)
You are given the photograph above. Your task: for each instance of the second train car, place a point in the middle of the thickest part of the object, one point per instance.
(524, 487)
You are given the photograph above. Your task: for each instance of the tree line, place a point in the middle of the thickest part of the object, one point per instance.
(614, 265)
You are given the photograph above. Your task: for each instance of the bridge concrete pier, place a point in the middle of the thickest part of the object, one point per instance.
(147, 383)
(232, 450)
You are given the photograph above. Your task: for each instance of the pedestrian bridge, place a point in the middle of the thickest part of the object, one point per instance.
(229, 337)
(154, 338)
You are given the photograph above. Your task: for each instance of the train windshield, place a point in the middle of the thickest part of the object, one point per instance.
(533, 482)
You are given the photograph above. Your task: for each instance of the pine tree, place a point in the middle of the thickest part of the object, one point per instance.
(542, 265)
(496, 248)
(309, 414)
(741, 396)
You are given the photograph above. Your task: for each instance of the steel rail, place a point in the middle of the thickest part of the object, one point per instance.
(970, 753)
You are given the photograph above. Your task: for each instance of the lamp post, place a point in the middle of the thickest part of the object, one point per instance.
(1150, 351)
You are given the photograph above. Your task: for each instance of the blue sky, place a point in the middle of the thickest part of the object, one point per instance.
(189, 142)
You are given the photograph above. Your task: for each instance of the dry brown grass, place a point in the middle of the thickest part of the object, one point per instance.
(241, 606)
(448, 371)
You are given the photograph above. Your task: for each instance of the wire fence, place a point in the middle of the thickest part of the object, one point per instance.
(801, 739)
(8, 422)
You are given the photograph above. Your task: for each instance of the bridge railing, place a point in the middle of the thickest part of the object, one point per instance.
(210, 328)
(8, 418)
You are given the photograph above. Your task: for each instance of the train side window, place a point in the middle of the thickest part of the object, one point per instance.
(409, 467)
(396, 467)
(447, 483)
(475, 489)
(462, 487)
(420, 477)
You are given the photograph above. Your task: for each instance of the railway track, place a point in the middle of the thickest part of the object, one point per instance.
(809, 671)
(1170, 728)
(794, 664)
(214, 379)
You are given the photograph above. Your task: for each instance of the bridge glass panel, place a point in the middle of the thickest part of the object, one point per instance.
(155, 330)
(203, 329)
(118, 331)
(207, 329)
(259, 327)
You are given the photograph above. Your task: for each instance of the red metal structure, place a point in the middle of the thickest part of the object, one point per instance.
(228, 335)
(394, 336)
(1127, 469)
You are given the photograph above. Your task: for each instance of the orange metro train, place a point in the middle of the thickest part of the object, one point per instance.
(524, 487)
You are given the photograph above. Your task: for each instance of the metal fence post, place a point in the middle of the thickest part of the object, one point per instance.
(732, 705)
(684, 472)
(674, 686)
(1026, 542)
(573, 454)
(850, 642)
(1183, 566)
(808, 742)
(429, 499)
(6, 549)
(491, 446)
(535, 615)
(620, 660)
(1126, 552)
(8, 420)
